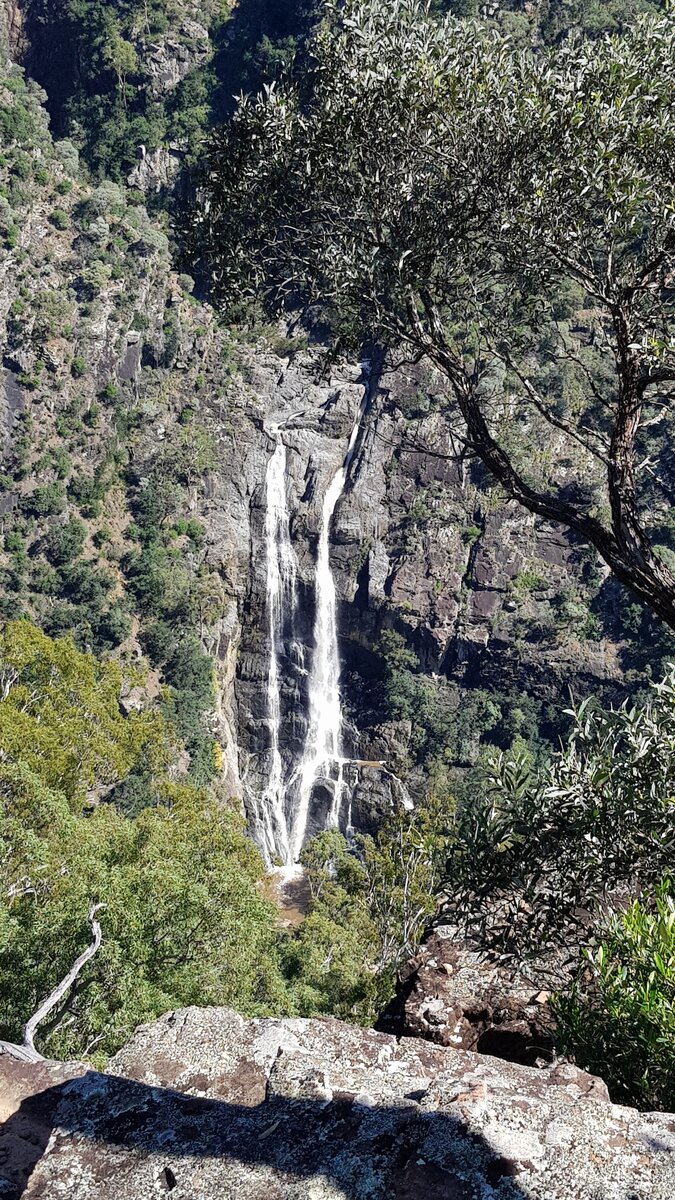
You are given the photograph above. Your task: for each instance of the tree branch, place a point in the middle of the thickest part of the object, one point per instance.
(26, 1051)
(542, 408)
(625, 546)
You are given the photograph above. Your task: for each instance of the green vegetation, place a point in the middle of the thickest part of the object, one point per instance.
(184, 921)
(91, 811)
(421, 164)
(463, 151)
(371, 900)
(539, 849)
(618, 1017)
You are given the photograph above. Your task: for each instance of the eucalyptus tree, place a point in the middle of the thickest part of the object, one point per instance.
(507, 215)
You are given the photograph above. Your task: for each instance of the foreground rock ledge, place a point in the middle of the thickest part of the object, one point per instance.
(204, 1105)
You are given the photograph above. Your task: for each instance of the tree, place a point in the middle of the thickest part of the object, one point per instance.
(510, 217)
(370, 903)
(183, 922)
(60, 716)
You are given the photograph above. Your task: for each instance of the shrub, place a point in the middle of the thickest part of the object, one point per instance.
(61, 462)
(102, 537)
(59, 219)
(190, 669)
(85, 584)
(110, 392)
(45, 501)
(158, 642)
(67, 154)
(14, 541)
(44, 579)
(78, 367)
(541, 851)
(64, 544)
(114, 627)
(108, 197)
(91, 415)
(618, 1017)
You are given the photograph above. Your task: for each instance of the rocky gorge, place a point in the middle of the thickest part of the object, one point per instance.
(289, 563)
(497, 610)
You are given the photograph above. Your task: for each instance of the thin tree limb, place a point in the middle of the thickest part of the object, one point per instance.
(26, 1052)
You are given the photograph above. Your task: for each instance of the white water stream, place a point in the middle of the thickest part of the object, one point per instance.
(322, 757)
(281, 595)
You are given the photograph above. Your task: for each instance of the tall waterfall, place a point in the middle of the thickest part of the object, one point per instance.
(322, 756)
(281, 593)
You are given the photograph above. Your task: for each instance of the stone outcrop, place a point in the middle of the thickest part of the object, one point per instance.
(204, 1105)
(11, 27)
(454, 996)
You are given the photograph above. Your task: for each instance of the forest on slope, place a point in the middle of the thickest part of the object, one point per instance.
(117, 322)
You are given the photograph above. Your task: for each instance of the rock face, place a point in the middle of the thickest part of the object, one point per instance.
(417, 544)
(104, 345)
(451, 995)
(207, 1106)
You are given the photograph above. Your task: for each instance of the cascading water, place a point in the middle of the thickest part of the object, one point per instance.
(322, 757)
(281, 594)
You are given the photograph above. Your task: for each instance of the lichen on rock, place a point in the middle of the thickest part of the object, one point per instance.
(208, 1106)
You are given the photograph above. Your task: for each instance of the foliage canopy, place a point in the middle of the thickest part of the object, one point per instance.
(508, 215)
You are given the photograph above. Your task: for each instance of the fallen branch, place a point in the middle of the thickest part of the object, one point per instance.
(26, 1052)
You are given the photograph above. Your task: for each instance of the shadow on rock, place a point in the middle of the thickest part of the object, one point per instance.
(201, 1148)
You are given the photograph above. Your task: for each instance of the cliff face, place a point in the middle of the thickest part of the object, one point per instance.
(118, 381)
(204, 1104)
(474, 586)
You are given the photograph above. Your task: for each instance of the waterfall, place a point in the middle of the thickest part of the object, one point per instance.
(281, 587)
(322, 756)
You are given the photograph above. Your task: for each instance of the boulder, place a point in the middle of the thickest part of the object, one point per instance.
(205, 1105)
(454, 996)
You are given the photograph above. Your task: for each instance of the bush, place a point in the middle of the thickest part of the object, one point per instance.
(68, 156)
(59, 219)
(45, 501)
(184, 920)
(45, 580)
(370, 902)
(14, 540)
(78, 367)
(158, 641)
(84, 584)
(64, 544)
(191, 670)
(618, 1017)
(113, 628)
(540, 852)
(102, 537)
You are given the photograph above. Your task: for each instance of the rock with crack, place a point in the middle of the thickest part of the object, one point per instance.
(452, 995)
(204, 1105)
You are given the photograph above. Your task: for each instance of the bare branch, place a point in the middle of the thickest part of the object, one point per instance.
(26, 1052)
(545, 411)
